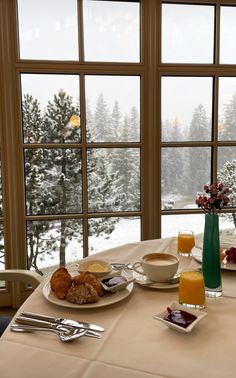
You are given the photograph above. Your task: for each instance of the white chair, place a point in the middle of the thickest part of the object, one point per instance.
(21, 275)
(16, 276)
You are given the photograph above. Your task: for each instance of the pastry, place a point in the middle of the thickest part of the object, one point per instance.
(82, 293)
(60, 282)
(91, 279)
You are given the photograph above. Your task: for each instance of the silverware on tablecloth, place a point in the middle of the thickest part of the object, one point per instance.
(69, 322)
(121, 266)
(65, 335)
(54, 325)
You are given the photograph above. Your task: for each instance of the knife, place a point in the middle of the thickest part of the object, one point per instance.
(68, 322)
(30, 322)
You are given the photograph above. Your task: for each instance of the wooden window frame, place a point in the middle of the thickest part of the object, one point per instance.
(150, 69)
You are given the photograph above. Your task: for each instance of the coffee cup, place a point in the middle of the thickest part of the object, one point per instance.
(158, 267)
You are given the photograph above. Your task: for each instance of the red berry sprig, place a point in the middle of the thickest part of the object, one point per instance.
(231, 255)
(216, 197)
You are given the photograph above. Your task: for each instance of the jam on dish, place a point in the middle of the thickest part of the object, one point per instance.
(109, 282)
(180, 317)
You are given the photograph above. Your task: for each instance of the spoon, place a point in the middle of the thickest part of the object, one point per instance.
(120, 266)
(65, 335)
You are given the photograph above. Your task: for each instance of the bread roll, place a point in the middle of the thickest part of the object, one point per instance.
(81, 294)
(91, 279)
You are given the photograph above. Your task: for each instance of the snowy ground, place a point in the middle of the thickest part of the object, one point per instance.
(127, 230)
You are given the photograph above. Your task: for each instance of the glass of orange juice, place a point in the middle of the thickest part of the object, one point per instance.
(185, 242)
(192, 290)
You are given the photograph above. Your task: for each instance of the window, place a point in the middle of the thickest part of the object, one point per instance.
(114, 114)
(81, 135)
(197, 109)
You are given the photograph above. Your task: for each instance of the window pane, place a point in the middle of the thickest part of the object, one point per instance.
(112, 116)
(226, 155)
(50, 108)
(187, 33)
(113, 179)
(228, 224)
(107, 233)
(184, 173)
(53, 181)
(51, 244)
(227, 35)
(186, 108)
(227, 171)
(48, 29)
(171, 224)
(115, 26)
(227, 108)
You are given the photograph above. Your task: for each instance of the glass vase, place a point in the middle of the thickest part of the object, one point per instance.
(211, 265)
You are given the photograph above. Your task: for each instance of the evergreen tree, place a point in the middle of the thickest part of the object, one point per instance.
(115, 125)
(34, 173)
(134, 125)
(102, 123)
(54, 179)
(53, 176)
(62, 120)
(229, 132)
(200, 127)
(173, 163)
(38, 201)
(166, 127)
(198, 157)
(90, 127)
(125, 164)
(102, 194)
(32, 120)
(66, 191)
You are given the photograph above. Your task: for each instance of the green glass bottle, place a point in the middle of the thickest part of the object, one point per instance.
(211, 266)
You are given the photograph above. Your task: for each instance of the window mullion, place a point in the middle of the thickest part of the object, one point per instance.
(12, 167)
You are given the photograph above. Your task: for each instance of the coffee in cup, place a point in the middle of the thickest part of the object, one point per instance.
(158, 267)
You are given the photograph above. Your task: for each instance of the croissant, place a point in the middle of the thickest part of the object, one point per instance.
(60, 282)
(91, 279)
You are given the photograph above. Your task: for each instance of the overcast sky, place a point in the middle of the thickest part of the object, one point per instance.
(49, 30)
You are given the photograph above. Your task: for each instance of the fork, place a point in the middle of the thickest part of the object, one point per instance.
(65, 335)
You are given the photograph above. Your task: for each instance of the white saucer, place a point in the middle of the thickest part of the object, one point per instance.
(145, 282)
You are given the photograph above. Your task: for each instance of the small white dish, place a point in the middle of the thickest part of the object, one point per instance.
(99, 268)
(126, 280)
(176, 306)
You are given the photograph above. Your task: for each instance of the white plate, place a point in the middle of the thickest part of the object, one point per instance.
(145, 282)
(197, 255)
(107, 300)
(176, 306)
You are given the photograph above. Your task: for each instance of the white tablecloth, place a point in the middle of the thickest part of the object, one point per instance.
(134, 344)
